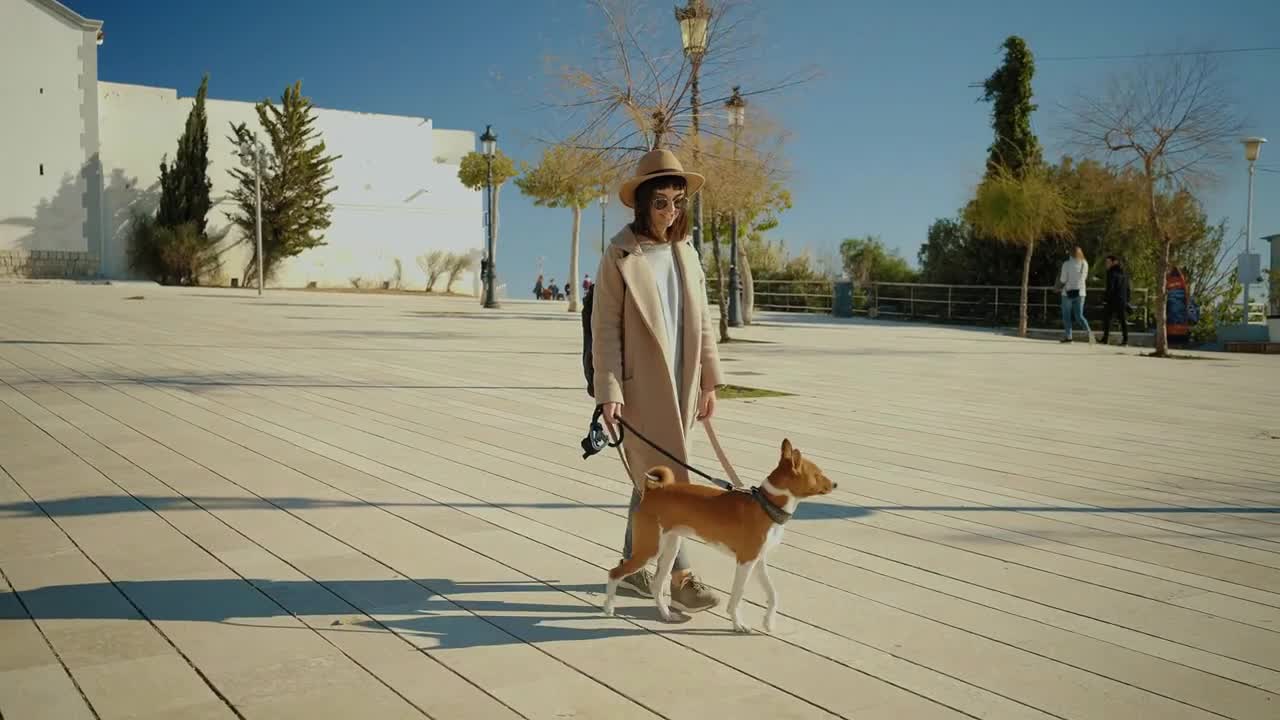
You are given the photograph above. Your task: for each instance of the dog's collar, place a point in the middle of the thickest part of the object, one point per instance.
(775, 513)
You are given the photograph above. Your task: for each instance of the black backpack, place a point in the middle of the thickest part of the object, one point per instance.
(588, 365)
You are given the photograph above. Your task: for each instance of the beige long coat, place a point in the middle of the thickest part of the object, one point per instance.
(629, 350)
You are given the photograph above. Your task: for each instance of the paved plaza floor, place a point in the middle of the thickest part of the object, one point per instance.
(326, 505)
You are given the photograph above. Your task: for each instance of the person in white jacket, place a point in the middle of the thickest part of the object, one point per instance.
(1073, 279)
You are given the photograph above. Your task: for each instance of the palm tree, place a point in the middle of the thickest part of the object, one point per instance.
(1020, 209)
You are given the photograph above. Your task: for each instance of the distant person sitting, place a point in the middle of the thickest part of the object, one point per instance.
(555, 290)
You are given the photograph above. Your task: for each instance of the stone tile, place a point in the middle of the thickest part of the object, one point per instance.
(23, 646)
(337, 701)
(332, 676)
(107, 640)
(205, 711)
(141, 686)
(928, 586)
(42, 691)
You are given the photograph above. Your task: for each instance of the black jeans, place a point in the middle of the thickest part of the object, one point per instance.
(1118, 312)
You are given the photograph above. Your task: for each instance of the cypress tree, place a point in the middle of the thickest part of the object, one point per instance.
(185, 187)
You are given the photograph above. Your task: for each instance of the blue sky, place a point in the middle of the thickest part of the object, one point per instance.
(885, 141)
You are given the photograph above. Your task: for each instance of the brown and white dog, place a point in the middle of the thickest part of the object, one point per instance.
(740, 523)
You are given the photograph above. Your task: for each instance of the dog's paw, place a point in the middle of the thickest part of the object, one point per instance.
(608, 609)
(740, 627)
(770, 622)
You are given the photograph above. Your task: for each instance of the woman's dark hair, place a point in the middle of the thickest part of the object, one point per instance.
(644, 202)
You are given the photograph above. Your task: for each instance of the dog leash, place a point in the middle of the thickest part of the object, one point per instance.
(775, 513)
(715, 445)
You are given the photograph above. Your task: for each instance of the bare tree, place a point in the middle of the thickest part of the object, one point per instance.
(641, 91)
(433, 265)
(1170, 119)
(636, 92)
(745, 174)
(455, 264)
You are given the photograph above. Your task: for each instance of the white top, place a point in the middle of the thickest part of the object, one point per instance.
(1074, 275)
(666, 273)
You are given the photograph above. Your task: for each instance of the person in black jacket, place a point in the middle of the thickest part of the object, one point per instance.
(1116, 302)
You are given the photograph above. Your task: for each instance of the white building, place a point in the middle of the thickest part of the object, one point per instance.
(78, 157)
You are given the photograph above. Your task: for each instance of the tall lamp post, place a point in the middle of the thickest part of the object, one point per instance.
(489, 146)
(1248, 263)
(604, 201)
(737, 107)
(252, 155)
(695, 21)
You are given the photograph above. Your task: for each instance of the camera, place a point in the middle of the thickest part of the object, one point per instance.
(597, 438)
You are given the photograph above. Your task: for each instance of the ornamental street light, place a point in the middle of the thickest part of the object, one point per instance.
(489, 146)
(252, 155)
(736, 106)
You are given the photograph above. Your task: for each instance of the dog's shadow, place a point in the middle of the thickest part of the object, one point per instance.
(815, 509)
(432, 613)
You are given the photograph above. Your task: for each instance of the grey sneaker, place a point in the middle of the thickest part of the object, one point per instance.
(692, 596)
(641, 582)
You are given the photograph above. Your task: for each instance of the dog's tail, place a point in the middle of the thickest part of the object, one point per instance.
(659, 476)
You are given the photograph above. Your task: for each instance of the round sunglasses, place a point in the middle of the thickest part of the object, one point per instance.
(660, 202)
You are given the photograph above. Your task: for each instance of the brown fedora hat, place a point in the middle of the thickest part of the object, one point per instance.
(656, 164)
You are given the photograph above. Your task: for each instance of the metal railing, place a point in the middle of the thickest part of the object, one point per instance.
(808, 296)
(968, 304)
(987, 304)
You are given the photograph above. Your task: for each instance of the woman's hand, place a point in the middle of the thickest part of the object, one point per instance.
(706, 404)
(611, 412)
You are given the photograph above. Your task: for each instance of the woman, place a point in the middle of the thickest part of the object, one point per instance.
(1073, 278)
(655, 355)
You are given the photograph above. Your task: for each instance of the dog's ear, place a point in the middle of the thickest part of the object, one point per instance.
(790, 456)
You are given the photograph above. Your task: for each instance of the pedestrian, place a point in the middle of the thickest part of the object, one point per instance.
(653, 344)
(1116, 302)
(537, 289)
(1072, 279)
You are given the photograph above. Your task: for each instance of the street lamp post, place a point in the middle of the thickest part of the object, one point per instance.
(489, 145)
(252, 154)
(695, 23)
(1248, 267)
(737, 107)
(604, 201)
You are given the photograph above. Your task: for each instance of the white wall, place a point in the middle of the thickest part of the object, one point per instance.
(394, 198)
(133, 122)
(48, 95)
